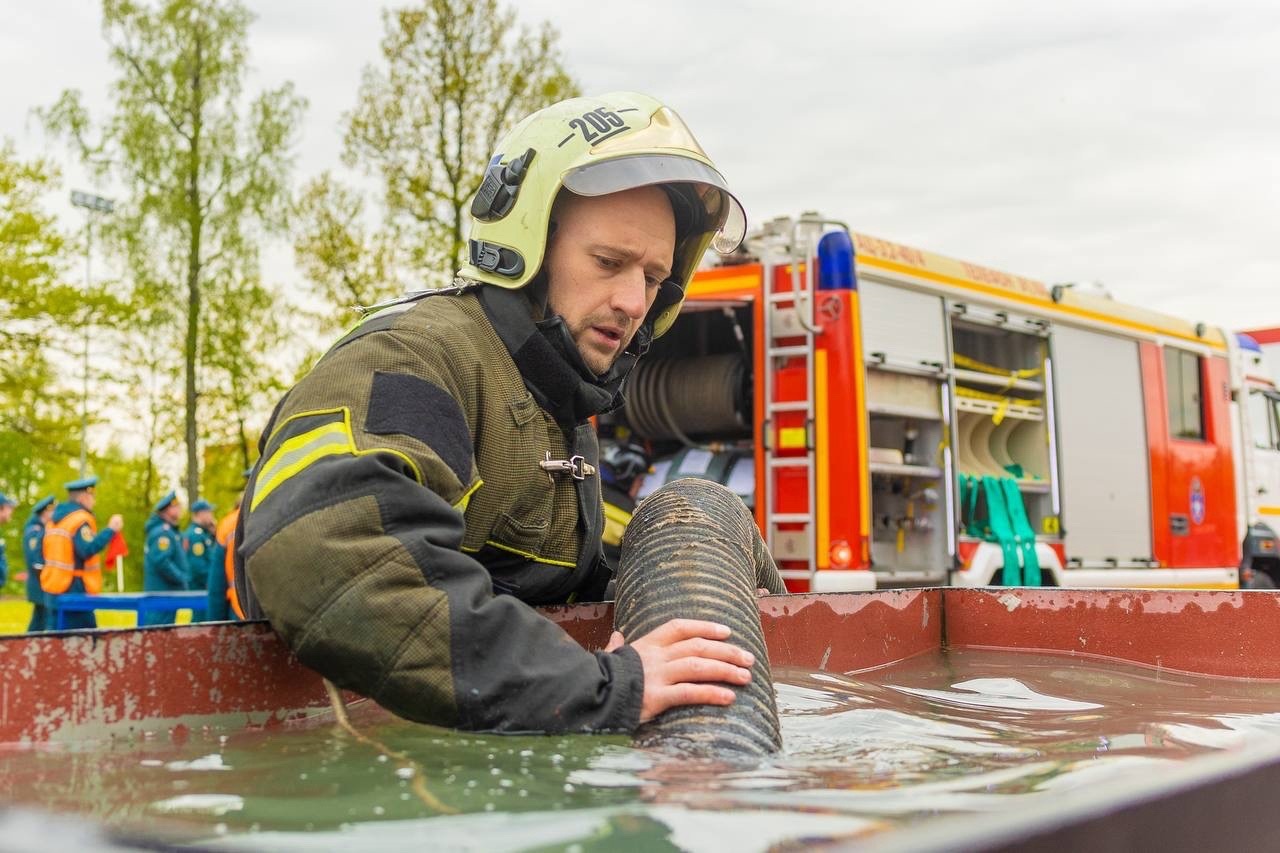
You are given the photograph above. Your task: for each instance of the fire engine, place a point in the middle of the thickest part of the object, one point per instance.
(1258, 468)
(898, 418)
(1266, 344)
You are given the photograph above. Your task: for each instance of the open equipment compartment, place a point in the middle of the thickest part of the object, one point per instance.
(690, 401)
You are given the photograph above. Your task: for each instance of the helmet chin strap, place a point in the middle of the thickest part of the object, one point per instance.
(538, 285)
(539, 294)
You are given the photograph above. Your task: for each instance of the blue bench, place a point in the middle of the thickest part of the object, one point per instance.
(138, 602)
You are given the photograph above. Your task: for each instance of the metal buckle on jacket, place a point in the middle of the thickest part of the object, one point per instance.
(576, 466)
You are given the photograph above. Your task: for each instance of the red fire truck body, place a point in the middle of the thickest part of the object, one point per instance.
(901, 418)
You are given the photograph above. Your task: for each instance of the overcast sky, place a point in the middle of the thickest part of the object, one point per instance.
(1132, 143)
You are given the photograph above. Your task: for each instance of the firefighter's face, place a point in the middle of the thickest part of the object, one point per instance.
(605, 262)
(6, 513)
(172, 512)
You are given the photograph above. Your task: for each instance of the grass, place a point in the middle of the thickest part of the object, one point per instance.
(15, 613)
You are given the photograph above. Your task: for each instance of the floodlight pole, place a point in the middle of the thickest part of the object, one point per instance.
(92, 204)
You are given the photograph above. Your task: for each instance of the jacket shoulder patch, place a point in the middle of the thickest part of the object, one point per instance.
(401, 404)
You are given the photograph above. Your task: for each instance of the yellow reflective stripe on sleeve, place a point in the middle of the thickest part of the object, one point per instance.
(301, 451)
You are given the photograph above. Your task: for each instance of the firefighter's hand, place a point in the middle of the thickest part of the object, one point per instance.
(686, 662)
(116, 523)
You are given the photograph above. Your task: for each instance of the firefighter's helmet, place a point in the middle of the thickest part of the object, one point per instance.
(592, 147)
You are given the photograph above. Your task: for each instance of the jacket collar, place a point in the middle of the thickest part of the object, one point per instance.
(549, 360)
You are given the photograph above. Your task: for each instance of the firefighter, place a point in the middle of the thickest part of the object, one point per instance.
(33, 552)
(434, 475)
(71, 547)
(164, 564)
(198, 544)
(6, 512)
(622, 468)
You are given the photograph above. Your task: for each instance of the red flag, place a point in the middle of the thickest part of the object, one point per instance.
(117, 547)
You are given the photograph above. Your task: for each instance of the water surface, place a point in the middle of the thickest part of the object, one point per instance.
(944, 733)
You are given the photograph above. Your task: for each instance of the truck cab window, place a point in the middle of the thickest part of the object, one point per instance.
(1262, 421)
(1182, 377)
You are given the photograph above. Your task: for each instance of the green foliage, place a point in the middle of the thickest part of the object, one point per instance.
(224, 475)
(35, 426)
(243, 379)
(150, 377)
(30, 251)
(205, 173)
(455, 75)
(352, 263)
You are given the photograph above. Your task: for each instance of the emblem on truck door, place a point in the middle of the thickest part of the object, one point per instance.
(1197, 501)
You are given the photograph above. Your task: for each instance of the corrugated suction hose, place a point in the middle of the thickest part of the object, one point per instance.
(693, 551)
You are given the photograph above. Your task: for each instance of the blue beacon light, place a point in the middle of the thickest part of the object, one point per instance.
(835, 262)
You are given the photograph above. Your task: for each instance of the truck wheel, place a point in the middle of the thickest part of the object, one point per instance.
(1261, 580)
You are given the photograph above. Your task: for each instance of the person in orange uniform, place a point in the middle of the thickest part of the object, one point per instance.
(222, 603)
(72, 544)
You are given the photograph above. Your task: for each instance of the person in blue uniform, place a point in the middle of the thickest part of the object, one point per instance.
(6, 512)
(164, 564)
(74, 542)
(198, 544)
(33, 551)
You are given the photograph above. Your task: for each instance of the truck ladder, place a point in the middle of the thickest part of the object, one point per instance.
(778, 326)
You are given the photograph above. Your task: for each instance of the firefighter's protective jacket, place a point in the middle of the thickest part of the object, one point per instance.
(399, 524)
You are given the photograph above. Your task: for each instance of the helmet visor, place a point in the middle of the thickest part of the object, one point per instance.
(725, 216)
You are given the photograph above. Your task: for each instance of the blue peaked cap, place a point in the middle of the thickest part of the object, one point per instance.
(42, 505)
(201, 504)
(164, 502)
(81, 484)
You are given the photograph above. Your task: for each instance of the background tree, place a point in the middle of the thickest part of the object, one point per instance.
(338, 248)
(204, 175)
(39, 408)
(241, 355)
(32, 426)
(455, 75)
(151, 384)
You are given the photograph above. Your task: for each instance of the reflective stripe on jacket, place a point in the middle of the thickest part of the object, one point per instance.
(61, 565)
